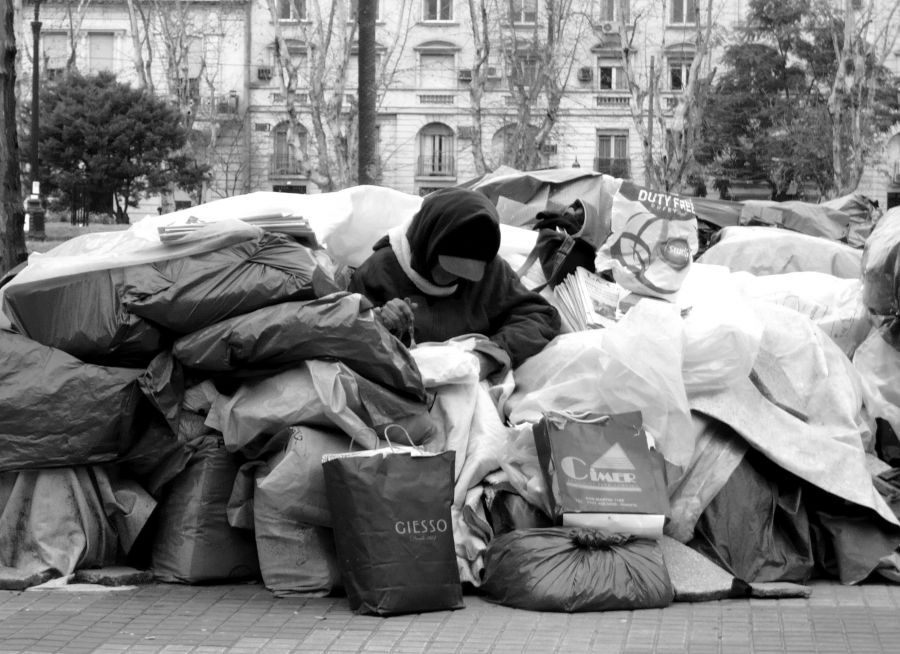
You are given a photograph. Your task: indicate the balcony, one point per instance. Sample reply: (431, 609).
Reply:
(436, 98)
(604, 100)
(613, 167)
(226, 106)
(285, 167)
(436, 165)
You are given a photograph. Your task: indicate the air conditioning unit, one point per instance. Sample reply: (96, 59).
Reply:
(585, 74)
(608, 27)
(493, 72)
(464, 75)
(264, 73)
(262, 127)
(466, 132)
(548, 148)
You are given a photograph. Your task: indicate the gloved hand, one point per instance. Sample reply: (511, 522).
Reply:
(486, 365)
(397, 316)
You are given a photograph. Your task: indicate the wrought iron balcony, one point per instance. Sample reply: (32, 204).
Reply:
(614, 167)
(282, 166)
(436, 165)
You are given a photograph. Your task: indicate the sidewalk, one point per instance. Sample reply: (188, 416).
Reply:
(245, 619)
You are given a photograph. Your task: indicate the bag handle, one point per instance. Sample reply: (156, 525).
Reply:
(584, 417)
(405, 433)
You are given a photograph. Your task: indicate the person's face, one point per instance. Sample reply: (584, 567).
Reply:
(441, 277)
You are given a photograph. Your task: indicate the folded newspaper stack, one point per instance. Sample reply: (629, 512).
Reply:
(587, 301)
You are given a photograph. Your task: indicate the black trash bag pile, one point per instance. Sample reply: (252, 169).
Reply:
(576, 569)
(119, 369)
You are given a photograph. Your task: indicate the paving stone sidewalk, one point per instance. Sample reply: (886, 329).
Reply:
(244, 619)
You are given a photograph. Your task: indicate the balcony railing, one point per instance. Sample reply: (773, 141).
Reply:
(606, 100)
(285, 167)
(436, 165)
(226, 105)
(436, 98)
(613, 167)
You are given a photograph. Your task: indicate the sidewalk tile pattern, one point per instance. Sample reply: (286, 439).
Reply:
(246, 619)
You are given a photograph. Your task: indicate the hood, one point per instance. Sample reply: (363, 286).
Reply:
(456, 222)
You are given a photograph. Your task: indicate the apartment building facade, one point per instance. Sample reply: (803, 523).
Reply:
(270, 95)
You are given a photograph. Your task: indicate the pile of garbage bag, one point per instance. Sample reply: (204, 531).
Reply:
(168, 402)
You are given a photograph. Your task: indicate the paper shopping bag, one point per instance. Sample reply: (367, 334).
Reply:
(393, 533)
(600, 469)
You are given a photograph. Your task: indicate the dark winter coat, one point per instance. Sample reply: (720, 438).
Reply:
(498, 306)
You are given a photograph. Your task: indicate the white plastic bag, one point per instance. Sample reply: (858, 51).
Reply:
(634, 365)
(721, 330)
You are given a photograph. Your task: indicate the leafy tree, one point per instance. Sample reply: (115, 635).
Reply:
(100, 136)
(774, 114)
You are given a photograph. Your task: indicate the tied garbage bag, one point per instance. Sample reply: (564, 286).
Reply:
(57, 411)
(395, 536)
(340, 325)
(296, 476)
(576, 569)
(294, 558)
(194, 542)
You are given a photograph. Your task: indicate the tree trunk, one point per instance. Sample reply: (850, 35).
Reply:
(12, 213)
(367, 158)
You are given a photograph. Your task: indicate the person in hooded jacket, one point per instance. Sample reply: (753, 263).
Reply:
(438, 276)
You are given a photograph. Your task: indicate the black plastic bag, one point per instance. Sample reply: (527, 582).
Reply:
(58, 411)
(576, 569)
(190, 293)
(194, 542)
(273, 338)
(394, 537)
(757, 527)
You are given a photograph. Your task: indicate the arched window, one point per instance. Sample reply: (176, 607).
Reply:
(286, 159)
(436, 151)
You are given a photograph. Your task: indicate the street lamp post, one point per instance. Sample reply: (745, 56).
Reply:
(35, 208)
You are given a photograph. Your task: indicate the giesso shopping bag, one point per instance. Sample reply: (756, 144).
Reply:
(390, 512)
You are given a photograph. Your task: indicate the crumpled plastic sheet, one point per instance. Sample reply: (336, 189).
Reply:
(635, 364)
(64, 519)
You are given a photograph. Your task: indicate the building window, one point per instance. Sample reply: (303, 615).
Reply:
(436, 151)
(437, 10)
(679, 75)
(611, 78)
(101, 51)
(55, 51)
(291, 10)
(610, 10)
(284, 157)
(523, 11)
(188, 90)
(527, 65)
(437, 70)
(612, 154)
(683, 12)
